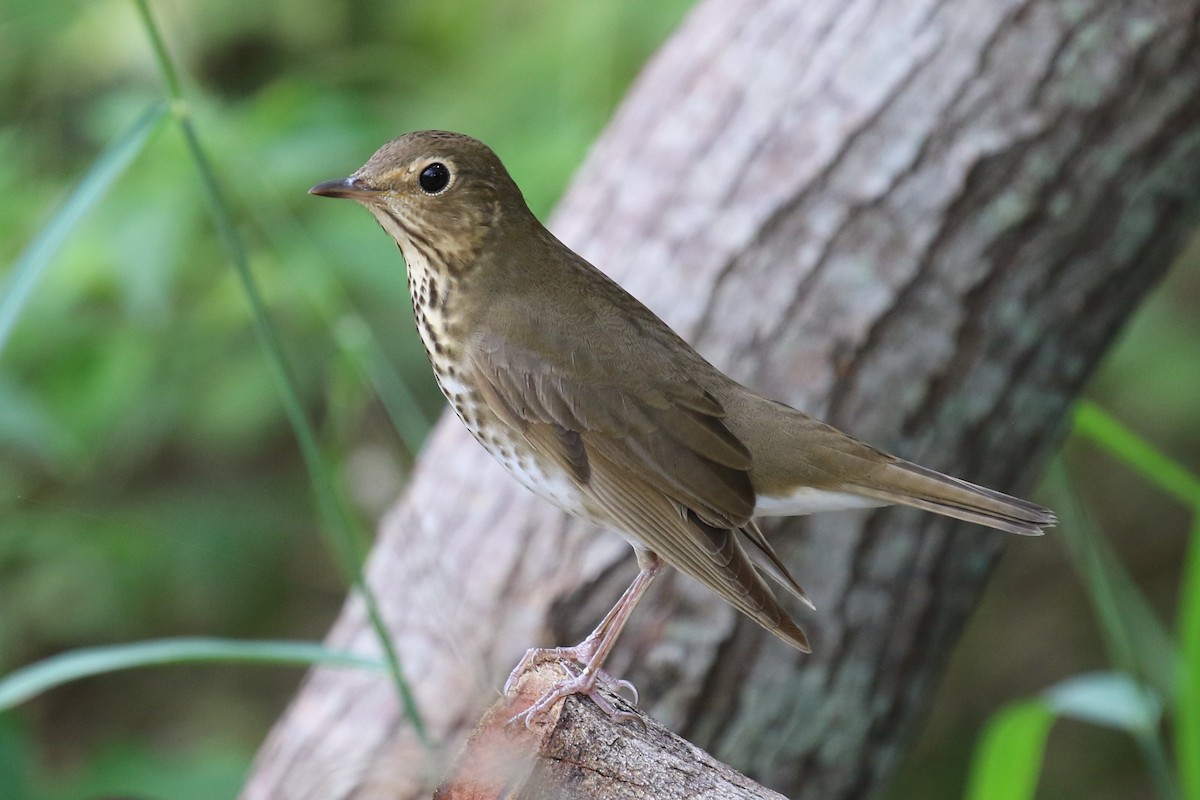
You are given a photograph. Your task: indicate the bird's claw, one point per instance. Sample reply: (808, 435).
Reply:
(617, 684)
(584, 683)
(540, 655)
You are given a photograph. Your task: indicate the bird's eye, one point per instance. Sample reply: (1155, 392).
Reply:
(434, 178)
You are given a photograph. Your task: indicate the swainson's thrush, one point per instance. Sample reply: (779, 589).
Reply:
(591, 401)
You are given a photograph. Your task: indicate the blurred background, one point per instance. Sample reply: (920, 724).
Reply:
(150, 484)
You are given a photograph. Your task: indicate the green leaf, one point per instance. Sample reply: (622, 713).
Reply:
(28, 269)
(1009, 758)
(1111, 699)
(1187, 693)
(28, 682)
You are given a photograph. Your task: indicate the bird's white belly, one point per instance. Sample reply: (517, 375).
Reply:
(544, 480)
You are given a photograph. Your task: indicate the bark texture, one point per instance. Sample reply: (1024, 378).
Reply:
(556, 758)
(922, 221)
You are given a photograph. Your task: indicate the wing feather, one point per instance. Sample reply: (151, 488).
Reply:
(655, 455)
(711, 555)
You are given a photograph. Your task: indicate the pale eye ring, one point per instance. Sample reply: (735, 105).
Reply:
(434, 178)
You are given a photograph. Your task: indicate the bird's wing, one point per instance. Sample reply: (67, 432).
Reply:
(650, 447)
(657, 423)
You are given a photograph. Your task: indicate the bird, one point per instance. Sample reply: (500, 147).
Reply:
(594, 403)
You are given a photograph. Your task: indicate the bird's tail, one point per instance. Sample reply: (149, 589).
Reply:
(905, 483)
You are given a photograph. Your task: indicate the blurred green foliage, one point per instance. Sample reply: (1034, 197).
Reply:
(149, 482)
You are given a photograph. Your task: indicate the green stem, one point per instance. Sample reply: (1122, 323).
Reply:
(28, 682)
(1096, 424)
(1154, 753)
(33, 261)
(1097, 568)
(333, 514)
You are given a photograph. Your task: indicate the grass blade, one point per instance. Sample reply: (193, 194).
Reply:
(1137, 640)
(1116, 700)
(337, 526)
(1184, 682)
(1094, 423)
(398, 400)
(1008, 760)
(28, 682)
(1138, 643)
(1111, 699)
(1187, 705)
(351, 333)
(32, 262)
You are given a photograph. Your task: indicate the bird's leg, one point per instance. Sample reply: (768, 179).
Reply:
(591, 652)
(585, 651)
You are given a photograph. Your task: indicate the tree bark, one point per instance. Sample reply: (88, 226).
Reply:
(557, 757)
(921, 221)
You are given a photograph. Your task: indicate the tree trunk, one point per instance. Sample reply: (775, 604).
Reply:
(921, 221)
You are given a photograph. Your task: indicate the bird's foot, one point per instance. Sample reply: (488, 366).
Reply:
(590, 653)
(540, 655)
(587, 683)
(580, 654)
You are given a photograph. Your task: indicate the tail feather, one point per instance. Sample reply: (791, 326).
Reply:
(905, 483)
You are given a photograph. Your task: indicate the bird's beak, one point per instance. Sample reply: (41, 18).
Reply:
(352, 188)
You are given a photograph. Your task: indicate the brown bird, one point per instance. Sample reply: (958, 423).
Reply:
(594, 403)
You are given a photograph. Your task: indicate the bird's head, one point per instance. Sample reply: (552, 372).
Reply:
(439, 195)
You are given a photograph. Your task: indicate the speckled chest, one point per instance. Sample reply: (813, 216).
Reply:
(444, 332)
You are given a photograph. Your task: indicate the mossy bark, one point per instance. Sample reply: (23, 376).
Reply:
(924, 222)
